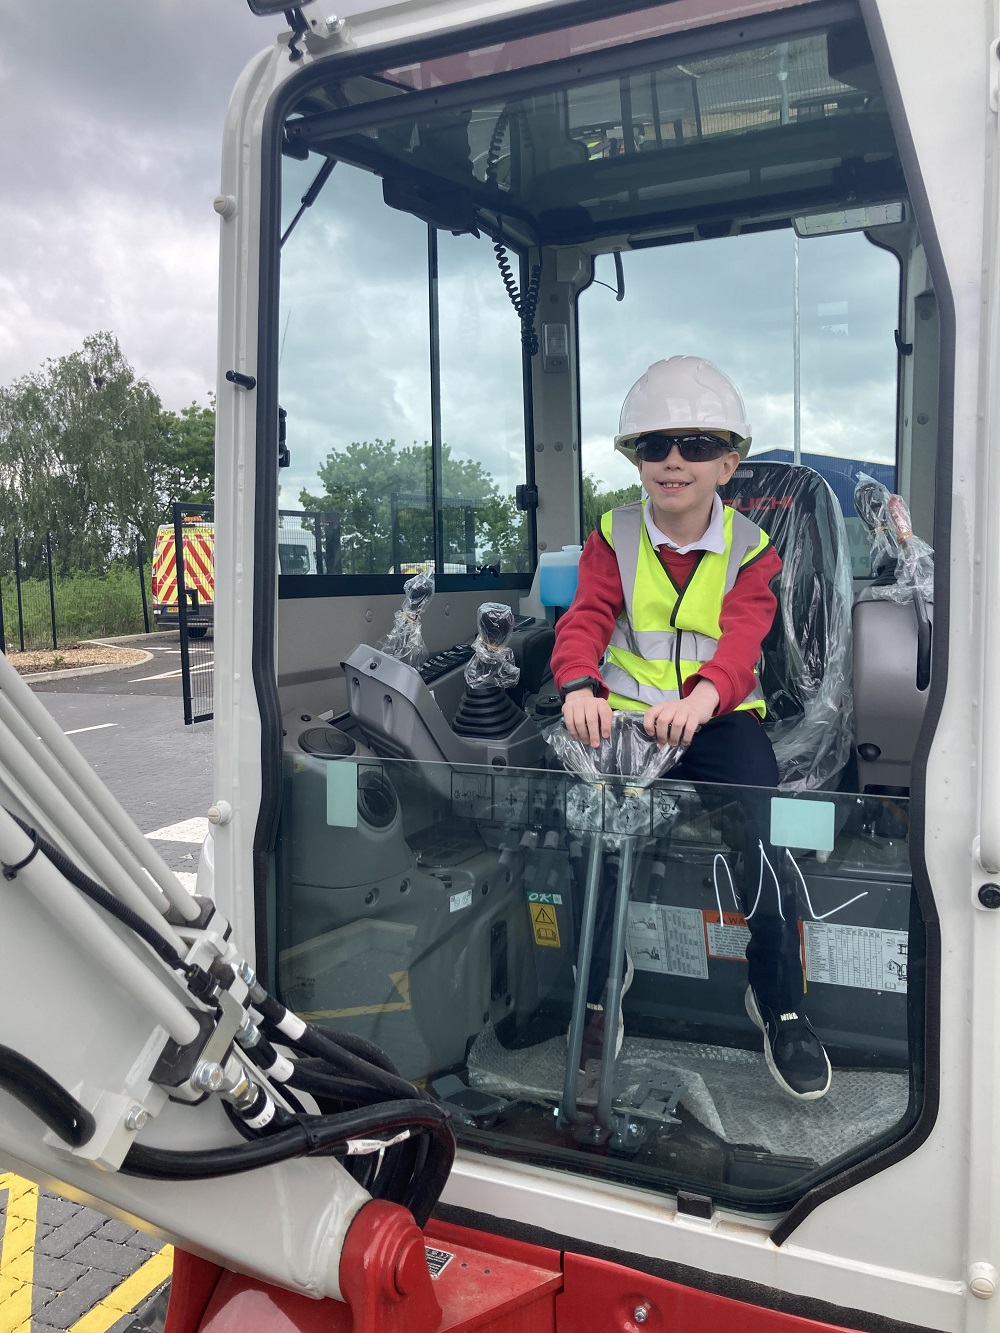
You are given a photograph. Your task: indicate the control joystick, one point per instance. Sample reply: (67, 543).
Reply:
(405, 641)
(486, 710)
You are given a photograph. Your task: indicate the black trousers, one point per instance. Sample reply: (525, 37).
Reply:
(735, 750)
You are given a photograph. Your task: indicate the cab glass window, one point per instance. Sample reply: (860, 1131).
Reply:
(401, 382)
(436, 863)
(804, 327)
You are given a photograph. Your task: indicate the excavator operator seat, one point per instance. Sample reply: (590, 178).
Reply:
(806, 666)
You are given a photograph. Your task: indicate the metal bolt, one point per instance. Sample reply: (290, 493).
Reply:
(136, 1117)
(246, 974)
(640, 1314)
(633, 1128)
(922, 418)
(249, 1033)
(207, 1077)
(989, 895)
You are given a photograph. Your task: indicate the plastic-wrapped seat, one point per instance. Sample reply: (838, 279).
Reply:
(806, 671)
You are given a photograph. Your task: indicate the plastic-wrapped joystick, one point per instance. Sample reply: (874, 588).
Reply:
(405, 641)
(486, 711)
(492, 661)
(902, 564)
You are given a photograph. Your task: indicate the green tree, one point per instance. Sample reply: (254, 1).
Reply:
(78, 456)
(368, 480)
(187, 462)
(596, 503)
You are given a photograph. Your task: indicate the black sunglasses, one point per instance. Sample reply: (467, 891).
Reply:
(693, 448)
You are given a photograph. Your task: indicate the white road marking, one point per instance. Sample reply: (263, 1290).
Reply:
(172, 675)
(101, 726)
(188, 830)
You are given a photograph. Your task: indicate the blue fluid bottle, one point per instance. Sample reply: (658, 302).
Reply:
(557, 575)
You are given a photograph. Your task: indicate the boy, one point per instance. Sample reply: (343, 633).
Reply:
(672, 604)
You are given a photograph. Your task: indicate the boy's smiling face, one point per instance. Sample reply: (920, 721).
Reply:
(681, 492)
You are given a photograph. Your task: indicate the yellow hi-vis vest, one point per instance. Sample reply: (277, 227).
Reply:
(667, 633)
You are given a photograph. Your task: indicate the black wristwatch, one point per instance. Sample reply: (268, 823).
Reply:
(581, 683)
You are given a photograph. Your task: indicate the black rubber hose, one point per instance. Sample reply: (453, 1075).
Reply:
(320, 1083)
(314, 1042)
(365, 1049)
(328, 1048)
(104, 898)
(318, 1136)
(45, 1098)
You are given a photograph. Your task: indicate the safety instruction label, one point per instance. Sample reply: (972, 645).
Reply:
(860, 956)
(667, 940)
(728, 938)
(459, 900)
(472, 795)
(544, 924)
(437, 1260)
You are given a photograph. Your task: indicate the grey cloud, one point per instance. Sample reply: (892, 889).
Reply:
(111, 158)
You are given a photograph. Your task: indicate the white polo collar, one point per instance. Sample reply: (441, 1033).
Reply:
(712, 539)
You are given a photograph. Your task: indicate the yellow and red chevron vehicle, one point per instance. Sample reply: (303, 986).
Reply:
(199, 575)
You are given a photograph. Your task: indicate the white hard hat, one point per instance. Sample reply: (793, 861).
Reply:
(684, 392)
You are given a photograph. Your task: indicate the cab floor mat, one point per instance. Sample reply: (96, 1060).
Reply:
(729, 1090)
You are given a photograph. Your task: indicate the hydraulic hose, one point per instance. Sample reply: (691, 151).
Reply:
(102, 897)
(45, 1098)
(290, 1029)
(326, 1135)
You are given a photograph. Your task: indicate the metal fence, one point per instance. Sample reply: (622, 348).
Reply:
(196, 613)
(42, 607)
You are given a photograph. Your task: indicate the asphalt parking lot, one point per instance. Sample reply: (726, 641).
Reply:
(64, 1266)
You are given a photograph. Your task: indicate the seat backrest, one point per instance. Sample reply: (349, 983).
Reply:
(806, 672)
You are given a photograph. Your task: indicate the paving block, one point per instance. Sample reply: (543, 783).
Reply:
(138, 1240)
(73, 1303)
(56, 1274)
(70, 1233)
(54, 1209)
(117, 1232)
(105, 1255)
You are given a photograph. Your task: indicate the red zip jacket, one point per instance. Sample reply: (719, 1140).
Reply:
(584, 631)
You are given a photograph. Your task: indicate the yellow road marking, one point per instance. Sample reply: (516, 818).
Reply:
(18, 1254)
(126, 1297)
(401, 981)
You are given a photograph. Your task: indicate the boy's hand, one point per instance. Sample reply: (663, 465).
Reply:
(587, 718)
(675, 722)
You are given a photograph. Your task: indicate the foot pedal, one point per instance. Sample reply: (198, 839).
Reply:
(468, 1105)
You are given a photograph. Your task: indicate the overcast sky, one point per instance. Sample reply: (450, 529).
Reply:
(112, 113)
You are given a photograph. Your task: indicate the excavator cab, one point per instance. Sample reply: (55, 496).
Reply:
(475, 254)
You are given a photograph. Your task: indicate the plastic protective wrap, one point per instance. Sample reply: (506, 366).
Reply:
(405, 641)
(902, 564)
(807, 656)
(628, 752)
(492, 661)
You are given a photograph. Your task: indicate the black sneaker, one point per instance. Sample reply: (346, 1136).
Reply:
(794, 1054)
(593, 1032)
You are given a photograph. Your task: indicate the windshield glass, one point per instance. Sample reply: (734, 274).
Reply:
(438, 909)
(805, 327)
(453, 364)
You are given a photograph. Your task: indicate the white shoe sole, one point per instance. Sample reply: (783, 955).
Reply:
(750, 1003)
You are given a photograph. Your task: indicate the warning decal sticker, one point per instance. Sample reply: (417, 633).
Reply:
(544, 924)
(667, 940)
(860, 956)
(728, 939)
(437, 1260)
